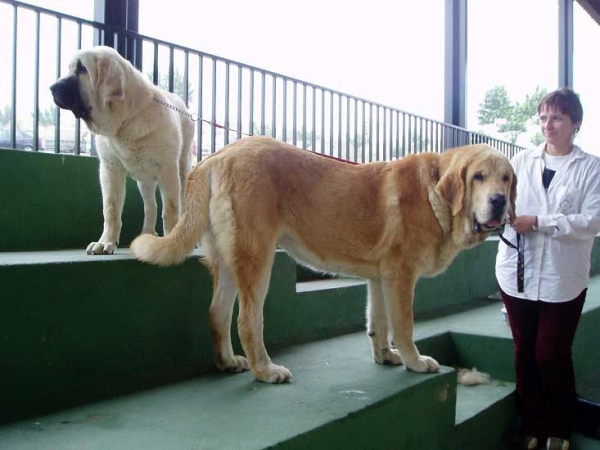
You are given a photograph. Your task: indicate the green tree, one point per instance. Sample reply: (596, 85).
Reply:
(46, 117)
(5, 116)
(511, 119)
(496, 106)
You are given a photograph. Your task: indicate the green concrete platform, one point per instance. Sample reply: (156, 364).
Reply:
(338, 399)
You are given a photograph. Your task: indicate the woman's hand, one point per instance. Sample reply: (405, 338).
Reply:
(524, 224)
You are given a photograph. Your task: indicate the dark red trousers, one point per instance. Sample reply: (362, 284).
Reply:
(543, 335)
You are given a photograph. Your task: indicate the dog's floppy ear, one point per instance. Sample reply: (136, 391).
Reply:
(452, 184)
(109, 84)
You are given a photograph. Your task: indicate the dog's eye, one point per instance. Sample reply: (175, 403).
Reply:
(505, 178)
(478, 177)
(80, 68)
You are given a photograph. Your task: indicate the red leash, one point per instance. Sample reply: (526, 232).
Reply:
(194, 117)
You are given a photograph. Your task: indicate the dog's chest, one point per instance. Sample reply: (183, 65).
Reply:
(142, 163)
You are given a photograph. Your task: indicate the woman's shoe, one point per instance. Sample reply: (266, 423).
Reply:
(557, 444)
(530, 443)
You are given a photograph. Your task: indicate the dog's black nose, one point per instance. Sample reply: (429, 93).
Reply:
(498, 201)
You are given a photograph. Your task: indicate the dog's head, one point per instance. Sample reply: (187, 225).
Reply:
(480, 185)
(94, 89)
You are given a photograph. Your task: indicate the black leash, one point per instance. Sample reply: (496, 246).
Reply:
(520, 248)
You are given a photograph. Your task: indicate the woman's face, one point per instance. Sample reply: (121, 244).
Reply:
(558, 128)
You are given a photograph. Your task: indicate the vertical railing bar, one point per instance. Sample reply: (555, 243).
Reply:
(370, 132)
(294, 112)
(36, 84)
(274, 112)
(391, 136)
(186, 69)
(284, 116)
(331, 129)
(57, 76)
(262, 103)
(78, 121)
(155, 67)
(213, 129)
(239, 103)
(418, 134)
(13, 96)
(363, 143)
(171, 68)
(391, 115)
(139, 44)
(410, 137)
(377, 146)
(404, 139)
(398, 150)
(226, 130)
(200, 125)
(385, 147)
(251, 118)
(390, 133)
(304, 116)
(355, 130)
(322, 120)
(314, 120)
(347, 156)
(340, 121)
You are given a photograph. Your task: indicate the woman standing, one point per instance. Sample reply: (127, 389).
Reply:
(544, 273)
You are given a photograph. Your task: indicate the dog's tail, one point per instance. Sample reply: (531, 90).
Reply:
(179, 243)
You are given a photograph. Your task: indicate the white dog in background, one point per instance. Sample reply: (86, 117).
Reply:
(137, 135)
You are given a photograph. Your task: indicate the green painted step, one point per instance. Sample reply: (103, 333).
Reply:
(339, 398)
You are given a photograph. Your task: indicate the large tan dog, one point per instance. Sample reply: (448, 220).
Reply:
(137, 135)
(388, 222)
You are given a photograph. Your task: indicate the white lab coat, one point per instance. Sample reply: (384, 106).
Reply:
(557, 257)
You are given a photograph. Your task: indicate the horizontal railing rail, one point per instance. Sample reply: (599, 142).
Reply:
(230, 99)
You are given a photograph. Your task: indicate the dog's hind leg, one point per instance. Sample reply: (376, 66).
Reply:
(377, 326)
(148, 192)
(221, 311)
(253, 276)
(170, 192)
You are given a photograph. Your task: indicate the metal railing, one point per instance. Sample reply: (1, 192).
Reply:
(230, 99)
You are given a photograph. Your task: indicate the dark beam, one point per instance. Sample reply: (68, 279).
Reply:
(592, 7)
(565, 43)
(455, 62)
(119, 15)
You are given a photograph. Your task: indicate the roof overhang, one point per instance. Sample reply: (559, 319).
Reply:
(592, 7)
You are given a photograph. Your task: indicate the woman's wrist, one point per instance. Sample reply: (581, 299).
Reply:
(534, 225)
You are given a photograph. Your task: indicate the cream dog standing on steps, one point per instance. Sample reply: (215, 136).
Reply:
(388, 222)
(137, 135)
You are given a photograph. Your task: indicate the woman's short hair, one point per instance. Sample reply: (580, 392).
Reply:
(564, 100)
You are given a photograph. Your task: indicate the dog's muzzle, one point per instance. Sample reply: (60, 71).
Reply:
(65, 93)
(498, 217)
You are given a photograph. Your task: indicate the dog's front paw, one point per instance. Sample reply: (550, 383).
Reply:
(273, 374)
(423, 364)
(101, 248)
(387, 356)
(236, 364)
